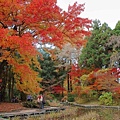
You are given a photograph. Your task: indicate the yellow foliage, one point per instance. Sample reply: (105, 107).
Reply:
(84, 77)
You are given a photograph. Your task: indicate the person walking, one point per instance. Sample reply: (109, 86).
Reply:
(40, 101)
(29, 98)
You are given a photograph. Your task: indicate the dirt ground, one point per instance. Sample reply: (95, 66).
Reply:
(8, 107)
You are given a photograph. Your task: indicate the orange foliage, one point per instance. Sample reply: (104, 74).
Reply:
(58, 89)
(23, 23)
(77, 90)
(103, 80)
(99, 80)
(75, 73)
(117, 89)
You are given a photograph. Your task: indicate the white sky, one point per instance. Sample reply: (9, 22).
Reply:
(105, 10)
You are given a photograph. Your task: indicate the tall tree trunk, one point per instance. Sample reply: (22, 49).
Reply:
(23, 96)
(68, 83)
(12, 86)
(3, 76)
(9, 83)
(4, 83)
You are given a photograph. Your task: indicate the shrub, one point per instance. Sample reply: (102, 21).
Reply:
(90, 96)
(53, 103)
(30, 104)
(106, 98)
(93, 95)
(64, 99)
(71, 98)
(52, 97)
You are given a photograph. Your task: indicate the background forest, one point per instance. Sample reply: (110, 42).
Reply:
(46, 49)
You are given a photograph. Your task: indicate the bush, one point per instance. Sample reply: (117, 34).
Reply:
(90, 96)
(106, 98)
(53, 103)
(71, 98)
(93, 95)
(51, 97)
(30, 104)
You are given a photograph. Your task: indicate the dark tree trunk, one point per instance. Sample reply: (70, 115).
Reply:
(23, 96)
(68, 83)
(12, 86)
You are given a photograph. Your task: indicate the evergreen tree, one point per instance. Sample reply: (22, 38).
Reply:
(50, 74)
(116, 30)
(95, 54)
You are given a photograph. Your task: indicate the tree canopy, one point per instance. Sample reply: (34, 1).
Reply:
(95, 54)
(27, 23)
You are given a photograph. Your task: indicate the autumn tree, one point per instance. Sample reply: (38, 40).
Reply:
(68, 56)
(103, 80)
(114, 44)
(27, 23)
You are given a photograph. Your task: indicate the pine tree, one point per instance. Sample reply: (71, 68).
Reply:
(95, 54)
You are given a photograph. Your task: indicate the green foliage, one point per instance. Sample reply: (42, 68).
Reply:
(49, 72)
(71, 97)
(93, 95)
(90, 96)
(48, 68)
(106, 98)
(52, 96)
(95, 54)
(30, 104)
(116, 31)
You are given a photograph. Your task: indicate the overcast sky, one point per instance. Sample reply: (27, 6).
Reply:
(105, 10)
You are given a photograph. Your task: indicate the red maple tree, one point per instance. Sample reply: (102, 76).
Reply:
(25, 23)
